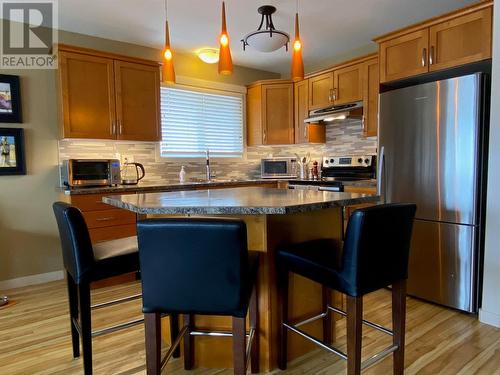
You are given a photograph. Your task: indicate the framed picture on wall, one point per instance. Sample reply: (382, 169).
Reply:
(10, 99)
(12, 160)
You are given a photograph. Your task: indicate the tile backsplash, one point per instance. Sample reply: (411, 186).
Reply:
(341, 139)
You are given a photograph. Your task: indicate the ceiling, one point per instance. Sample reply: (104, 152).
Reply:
(330, 29)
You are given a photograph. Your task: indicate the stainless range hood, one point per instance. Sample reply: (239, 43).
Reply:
(336, 113)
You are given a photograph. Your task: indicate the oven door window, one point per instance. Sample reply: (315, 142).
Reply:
(275, 167)
(90, 170)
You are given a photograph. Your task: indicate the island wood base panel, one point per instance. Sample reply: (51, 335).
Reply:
(265, 234)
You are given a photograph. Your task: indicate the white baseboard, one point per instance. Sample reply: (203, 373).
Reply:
(488, 317)
(31, 280)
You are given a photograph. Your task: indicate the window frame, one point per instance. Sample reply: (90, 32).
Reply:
(209, 88)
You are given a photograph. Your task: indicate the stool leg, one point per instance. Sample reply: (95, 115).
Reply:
(73, 314)
(327, 321)
(254, 323)
(86, 326)
(174, 332)
(398, 325)
(282, 284)
(188, 342)
(239, 347)
(152, 328)
(354, 330)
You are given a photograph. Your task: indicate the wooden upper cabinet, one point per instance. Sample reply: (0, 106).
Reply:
(87, 96)
(277, 109)
(370, 97)
(451, 40)
(348, 86)
(107, 96)
(270, 114)
(137, 101)
(404, 56)
(321, 91)
(305, 133)
(461, 40)
(254, 116)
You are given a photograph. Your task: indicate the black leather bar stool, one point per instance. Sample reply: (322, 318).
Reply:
(374, 256)
(86, 263)
(198, 266)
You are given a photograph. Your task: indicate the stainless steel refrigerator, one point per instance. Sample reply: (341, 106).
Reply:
(432, 137)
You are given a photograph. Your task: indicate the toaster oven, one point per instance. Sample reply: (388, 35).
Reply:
(90, 172)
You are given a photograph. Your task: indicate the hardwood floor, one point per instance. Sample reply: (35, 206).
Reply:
(35, 338)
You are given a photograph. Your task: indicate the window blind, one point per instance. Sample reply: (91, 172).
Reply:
(193, 122)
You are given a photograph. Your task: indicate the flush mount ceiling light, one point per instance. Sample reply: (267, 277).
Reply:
(268, 39)
(208, 55)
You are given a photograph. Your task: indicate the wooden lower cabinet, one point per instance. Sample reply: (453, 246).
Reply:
(104, 222)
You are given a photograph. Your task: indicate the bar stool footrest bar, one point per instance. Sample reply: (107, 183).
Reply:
(379, 356)
(320, 343)
(172, 348)
(367, 322)
(117, 327)
(115, 302)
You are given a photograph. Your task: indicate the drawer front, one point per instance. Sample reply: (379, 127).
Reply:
(108, 218)
(112, 233)
(91, 202)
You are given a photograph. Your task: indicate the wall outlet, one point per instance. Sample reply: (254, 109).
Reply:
(126, 158)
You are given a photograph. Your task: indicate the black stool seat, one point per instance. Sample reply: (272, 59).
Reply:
(85, 263)
(198, 266)
(374, 255)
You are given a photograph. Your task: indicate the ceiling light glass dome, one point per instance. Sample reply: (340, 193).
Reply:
(268, 39)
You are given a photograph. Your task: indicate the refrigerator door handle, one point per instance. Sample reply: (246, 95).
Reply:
(382, 176)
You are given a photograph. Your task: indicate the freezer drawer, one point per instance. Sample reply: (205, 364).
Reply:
(442, 264)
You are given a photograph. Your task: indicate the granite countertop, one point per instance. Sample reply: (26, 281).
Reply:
(163, 186)
(236, 201)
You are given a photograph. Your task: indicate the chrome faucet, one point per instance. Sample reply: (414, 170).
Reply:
(208, 167)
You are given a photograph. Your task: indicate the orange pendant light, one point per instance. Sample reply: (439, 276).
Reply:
(168, 73)
(297, 62)
(225, 60)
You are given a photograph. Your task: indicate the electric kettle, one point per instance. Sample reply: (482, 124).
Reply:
(130, 173)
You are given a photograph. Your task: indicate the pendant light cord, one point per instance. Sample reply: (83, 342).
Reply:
(166, 10)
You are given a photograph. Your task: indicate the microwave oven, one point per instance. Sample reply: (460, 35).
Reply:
(90, 172)
(285, 167)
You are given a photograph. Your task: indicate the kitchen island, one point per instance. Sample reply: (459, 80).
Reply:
(273, 217)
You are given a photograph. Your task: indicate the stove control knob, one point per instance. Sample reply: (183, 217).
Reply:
(367, 161)
(332, 161)
(326, 161)
(360, 160)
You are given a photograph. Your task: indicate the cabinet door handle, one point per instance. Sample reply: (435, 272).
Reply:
(105, 218)
(330, 95)
(363, 122)
(424, 56)
(120, 127)
(305, 131)
(264, 135)
(113, 127)
(334, 94)
(431, 55)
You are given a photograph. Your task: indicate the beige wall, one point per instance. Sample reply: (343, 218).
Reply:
(28, 236)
